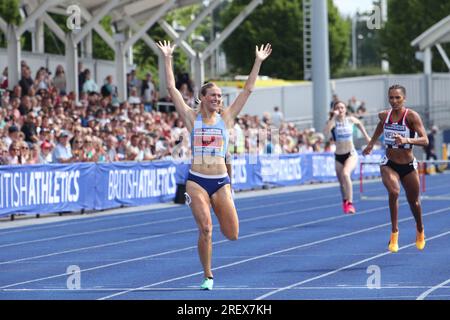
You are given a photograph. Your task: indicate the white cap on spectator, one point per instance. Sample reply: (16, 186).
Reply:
(63, 133)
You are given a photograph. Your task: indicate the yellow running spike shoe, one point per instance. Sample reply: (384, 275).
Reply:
(393, 242)
(420, 240)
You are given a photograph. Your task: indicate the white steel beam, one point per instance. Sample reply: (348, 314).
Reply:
(230, 28)
(198, 20)
(121, 71)
(443, 55)
(39, 36)
(54, 27)
(99, 29)
(152, 45)
(151, 21)
(94, 22)
(71, 64)
(13, 56)
(3, 25)
(174, 35)
(37, 13)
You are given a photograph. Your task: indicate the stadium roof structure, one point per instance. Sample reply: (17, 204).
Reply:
(434, 36)
(131, 20)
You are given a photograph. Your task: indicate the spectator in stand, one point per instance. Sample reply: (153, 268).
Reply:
(111, 149)
(17, 92)
(14, 153)
(361, 111)
(25, 105)
(334, 100)
(4, 79)
(109, 90)
(13, 136)
(100, 151)
(62, 152)
(42, 80)
(89, 84)
(81, 77)
(149, 93)
(277, 117)
(29, 128)
(134, 99)
(188, 94)
(26, 82)
(26, 155)
(45, 154)
(353, 105)
(59, 80)
(89, 151)
(4, 153)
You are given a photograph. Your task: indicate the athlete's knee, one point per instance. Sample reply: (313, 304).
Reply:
(232, 235)
(414, 203)
(346, 173)
(394, 193)
(205, 231)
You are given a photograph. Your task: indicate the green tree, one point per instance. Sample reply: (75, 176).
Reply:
(407, 19)
(9, 11)
(280, 22)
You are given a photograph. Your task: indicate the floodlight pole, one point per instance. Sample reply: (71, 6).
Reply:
(320, 64)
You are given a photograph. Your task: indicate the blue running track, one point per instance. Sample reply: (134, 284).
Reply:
(292, 246)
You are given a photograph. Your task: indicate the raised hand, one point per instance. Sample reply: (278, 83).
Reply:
(166, 48)
(264, 52)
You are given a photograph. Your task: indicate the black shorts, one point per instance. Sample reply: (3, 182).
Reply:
(341, 158)
(401, 169)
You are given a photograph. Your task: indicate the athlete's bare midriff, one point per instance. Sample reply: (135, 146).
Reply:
(344, 147)
(400, 156)
(209, 165)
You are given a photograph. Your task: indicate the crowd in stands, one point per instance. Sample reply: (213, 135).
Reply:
(41, 122)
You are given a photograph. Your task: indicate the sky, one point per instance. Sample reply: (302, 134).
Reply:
(349, 7)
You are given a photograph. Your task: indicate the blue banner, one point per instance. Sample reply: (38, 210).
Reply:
(134, 183)
(73, 187)
(245, 173)
(282, 170)
(46, 188)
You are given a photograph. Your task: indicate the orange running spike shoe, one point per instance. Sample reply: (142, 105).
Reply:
(393, 243)
(420, 240)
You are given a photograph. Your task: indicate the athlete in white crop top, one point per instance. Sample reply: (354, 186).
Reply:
(402, 128)
(208, 182)
(341, 128)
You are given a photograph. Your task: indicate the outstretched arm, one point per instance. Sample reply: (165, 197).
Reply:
(186, 113)
(261, 54)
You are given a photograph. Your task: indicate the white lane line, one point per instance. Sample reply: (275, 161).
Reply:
(271, 293)
(223, 288)
(428, 292)
(270, 216)
(273, 253)
(193, 247)
(138, 225)
(138, 211)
